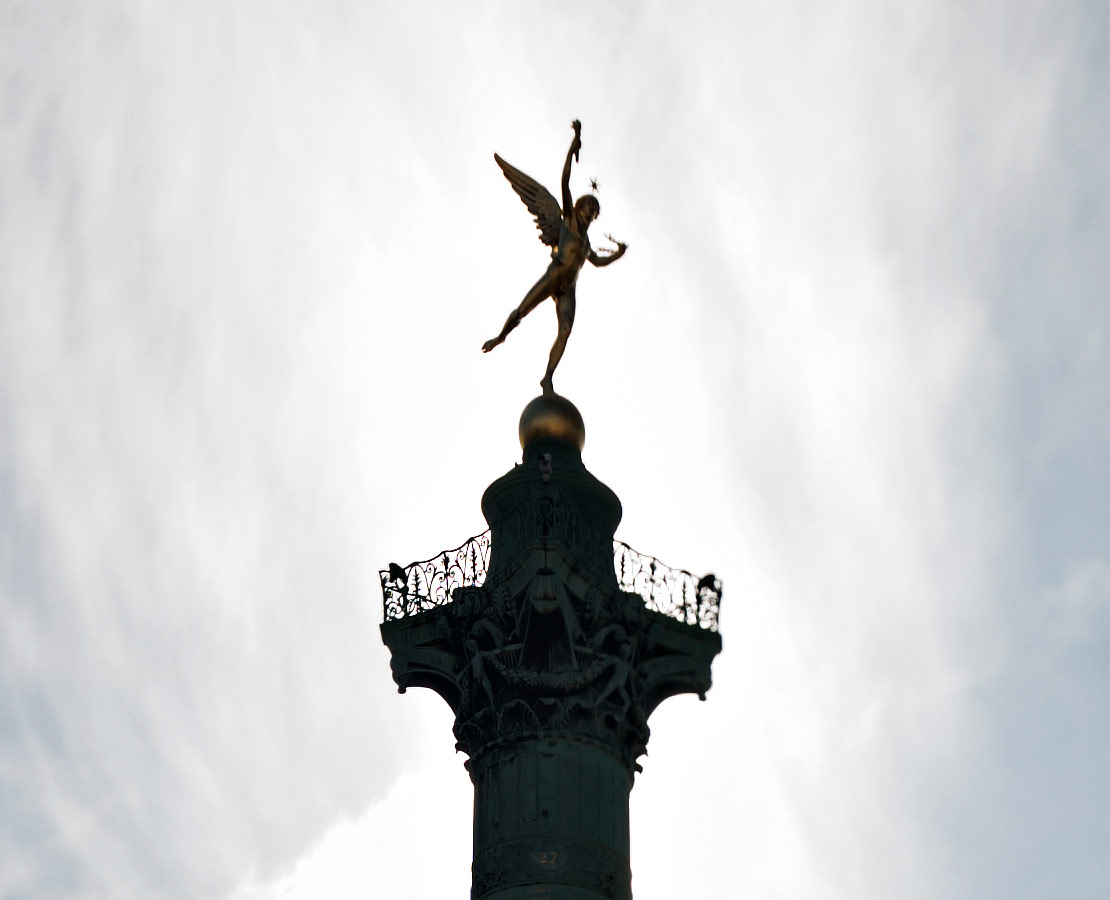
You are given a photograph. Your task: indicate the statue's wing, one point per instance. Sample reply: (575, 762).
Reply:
(538, 199)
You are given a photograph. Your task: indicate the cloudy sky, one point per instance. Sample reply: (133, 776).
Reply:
(856, 362)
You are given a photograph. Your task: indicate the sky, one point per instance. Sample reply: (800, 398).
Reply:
(855, 362)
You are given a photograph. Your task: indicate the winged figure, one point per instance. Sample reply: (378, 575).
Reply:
(565, 230)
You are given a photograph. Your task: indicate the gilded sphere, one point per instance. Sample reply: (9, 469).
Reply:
(552, 416)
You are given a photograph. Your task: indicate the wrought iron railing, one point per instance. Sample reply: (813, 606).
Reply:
(424, 585)
(673, 592)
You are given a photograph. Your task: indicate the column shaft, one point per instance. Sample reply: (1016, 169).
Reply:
(551, 820)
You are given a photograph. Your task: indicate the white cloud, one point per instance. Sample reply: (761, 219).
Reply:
(405, 847)
(852, 362)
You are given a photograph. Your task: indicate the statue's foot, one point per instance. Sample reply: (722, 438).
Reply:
(491, 343)
(546, 385)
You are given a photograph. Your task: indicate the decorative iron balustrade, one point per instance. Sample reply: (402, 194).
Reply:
(425, 585)
(673, 592)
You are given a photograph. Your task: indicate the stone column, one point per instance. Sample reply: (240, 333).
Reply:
(552, 672)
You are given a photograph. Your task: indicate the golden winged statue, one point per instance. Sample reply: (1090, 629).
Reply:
(564, 229)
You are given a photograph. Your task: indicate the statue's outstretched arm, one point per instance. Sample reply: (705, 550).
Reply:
(575, 146)
(609, 258)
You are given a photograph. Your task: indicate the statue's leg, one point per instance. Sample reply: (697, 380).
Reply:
(564, 306)
(539, 292)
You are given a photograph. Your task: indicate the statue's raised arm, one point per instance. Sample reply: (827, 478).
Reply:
(575, 147)
(565, 230)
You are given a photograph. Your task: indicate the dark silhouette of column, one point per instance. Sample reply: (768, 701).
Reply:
(552, 646)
